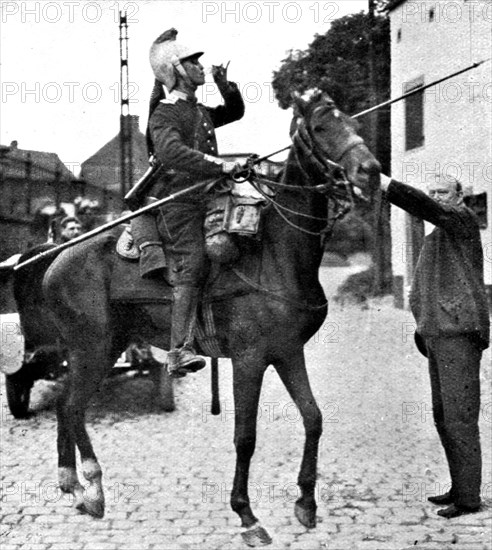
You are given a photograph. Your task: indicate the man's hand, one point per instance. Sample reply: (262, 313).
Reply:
(219, 73)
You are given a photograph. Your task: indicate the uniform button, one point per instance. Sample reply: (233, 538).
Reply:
(210, 132)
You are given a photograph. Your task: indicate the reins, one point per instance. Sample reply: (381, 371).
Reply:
(336, 187)
(279, 207)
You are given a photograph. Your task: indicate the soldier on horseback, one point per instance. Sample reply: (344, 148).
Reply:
(181, 136)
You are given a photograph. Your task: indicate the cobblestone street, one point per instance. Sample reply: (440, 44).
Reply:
(168, 476)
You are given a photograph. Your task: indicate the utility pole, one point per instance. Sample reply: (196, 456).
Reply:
(381, 223)
(126, 159)
(373, 91)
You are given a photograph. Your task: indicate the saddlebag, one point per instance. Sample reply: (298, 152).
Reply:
(234, 210)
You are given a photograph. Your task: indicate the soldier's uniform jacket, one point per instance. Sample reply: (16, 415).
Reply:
(183, 137)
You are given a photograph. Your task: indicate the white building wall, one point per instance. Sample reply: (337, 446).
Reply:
(457, 112)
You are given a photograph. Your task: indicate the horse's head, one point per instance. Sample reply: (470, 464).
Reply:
(328, 136)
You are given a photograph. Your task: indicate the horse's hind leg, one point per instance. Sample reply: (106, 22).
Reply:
(88, 367)
(67, 472)
(292, 371)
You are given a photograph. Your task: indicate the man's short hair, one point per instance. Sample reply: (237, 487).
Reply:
(67, 219)
(450, 179)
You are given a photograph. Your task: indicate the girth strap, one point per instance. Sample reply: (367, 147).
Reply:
(280, 297)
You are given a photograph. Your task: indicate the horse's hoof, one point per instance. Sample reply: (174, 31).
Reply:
(94, 509)
(87, 504)
(307, 516)
(256, 536)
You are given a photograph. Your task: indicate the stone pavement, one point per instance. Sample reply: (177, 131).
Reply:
(168, 477)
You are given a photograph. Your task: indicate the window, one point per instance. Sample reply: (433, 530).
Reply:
(414, 115)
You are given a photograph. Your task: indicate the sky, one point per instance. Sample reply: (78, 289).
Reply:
(60, 68)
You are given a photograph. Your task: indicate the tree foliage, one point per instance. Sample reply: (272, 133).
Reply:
(339, 62)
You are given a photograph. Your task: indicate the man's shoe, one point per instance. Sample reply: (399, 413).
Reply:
(455, 511)
(446, 498)
(181, 362)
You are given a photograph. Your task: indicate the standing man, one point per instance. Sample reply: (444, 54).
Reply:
(181, 135)
(449, 303)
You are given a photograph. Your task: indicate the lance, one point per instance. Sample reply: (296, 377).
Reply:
(419, 89)
(390, 101)
(114, 223)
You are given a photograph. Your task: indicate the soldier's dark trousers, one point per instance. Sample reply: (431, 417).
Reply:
(454, 367)
(181, 226)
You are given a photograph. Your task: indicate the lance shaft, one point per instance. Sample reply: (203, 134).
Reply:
(390, 101)
(114, 223)
(419, 89)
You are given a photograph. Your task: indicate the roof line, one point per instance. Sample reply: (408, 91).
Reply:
(394, 4)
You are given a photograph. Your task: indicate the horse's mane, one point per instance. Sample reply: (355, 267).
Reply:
(310, 98)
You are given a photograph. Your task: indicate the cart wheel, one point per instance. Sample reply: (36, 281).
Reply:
(18, 393)
(163, 391)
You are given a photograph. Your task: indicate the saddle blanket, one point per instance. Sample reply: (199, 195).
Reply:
(127, 286)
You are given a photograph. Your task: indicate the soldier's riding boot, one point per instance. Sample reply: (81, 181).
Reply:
(148, 241)
(182, 358)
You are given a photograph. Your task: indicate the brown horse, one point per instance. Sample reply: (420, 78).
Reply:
(271, 304)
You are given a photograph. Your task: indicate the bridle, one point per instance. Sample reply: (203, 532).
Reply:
(315, 167)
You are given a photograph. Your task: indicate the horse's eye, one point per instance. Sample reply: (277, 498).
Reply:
(318, 129)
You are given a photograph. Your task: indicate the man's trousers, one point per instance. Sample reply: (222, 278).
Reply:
(180, 225)
(454, 367)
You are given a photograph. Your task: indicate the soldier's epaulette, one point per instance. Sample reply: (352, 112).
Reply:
(171, 100)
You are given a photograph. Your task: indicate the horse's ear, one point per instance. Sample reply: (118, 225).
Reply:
(299, 104)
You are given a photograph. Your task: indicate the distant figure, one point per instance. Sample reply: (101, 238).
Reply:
(70, 227)
(449, 303)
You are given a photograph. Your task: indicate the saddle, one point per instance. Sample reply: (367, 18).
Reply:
(234, 209)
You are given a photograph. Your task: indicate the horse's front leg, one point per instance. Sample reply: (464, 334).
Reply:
(248, 377)
(292, 371)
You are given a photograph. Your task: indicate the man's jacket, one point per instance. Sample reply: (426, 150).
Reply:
(183, 137)
(448, 294)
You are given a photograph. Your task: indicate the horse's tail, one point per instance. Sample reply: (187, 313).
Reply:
(215, 408)
(28, 295)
